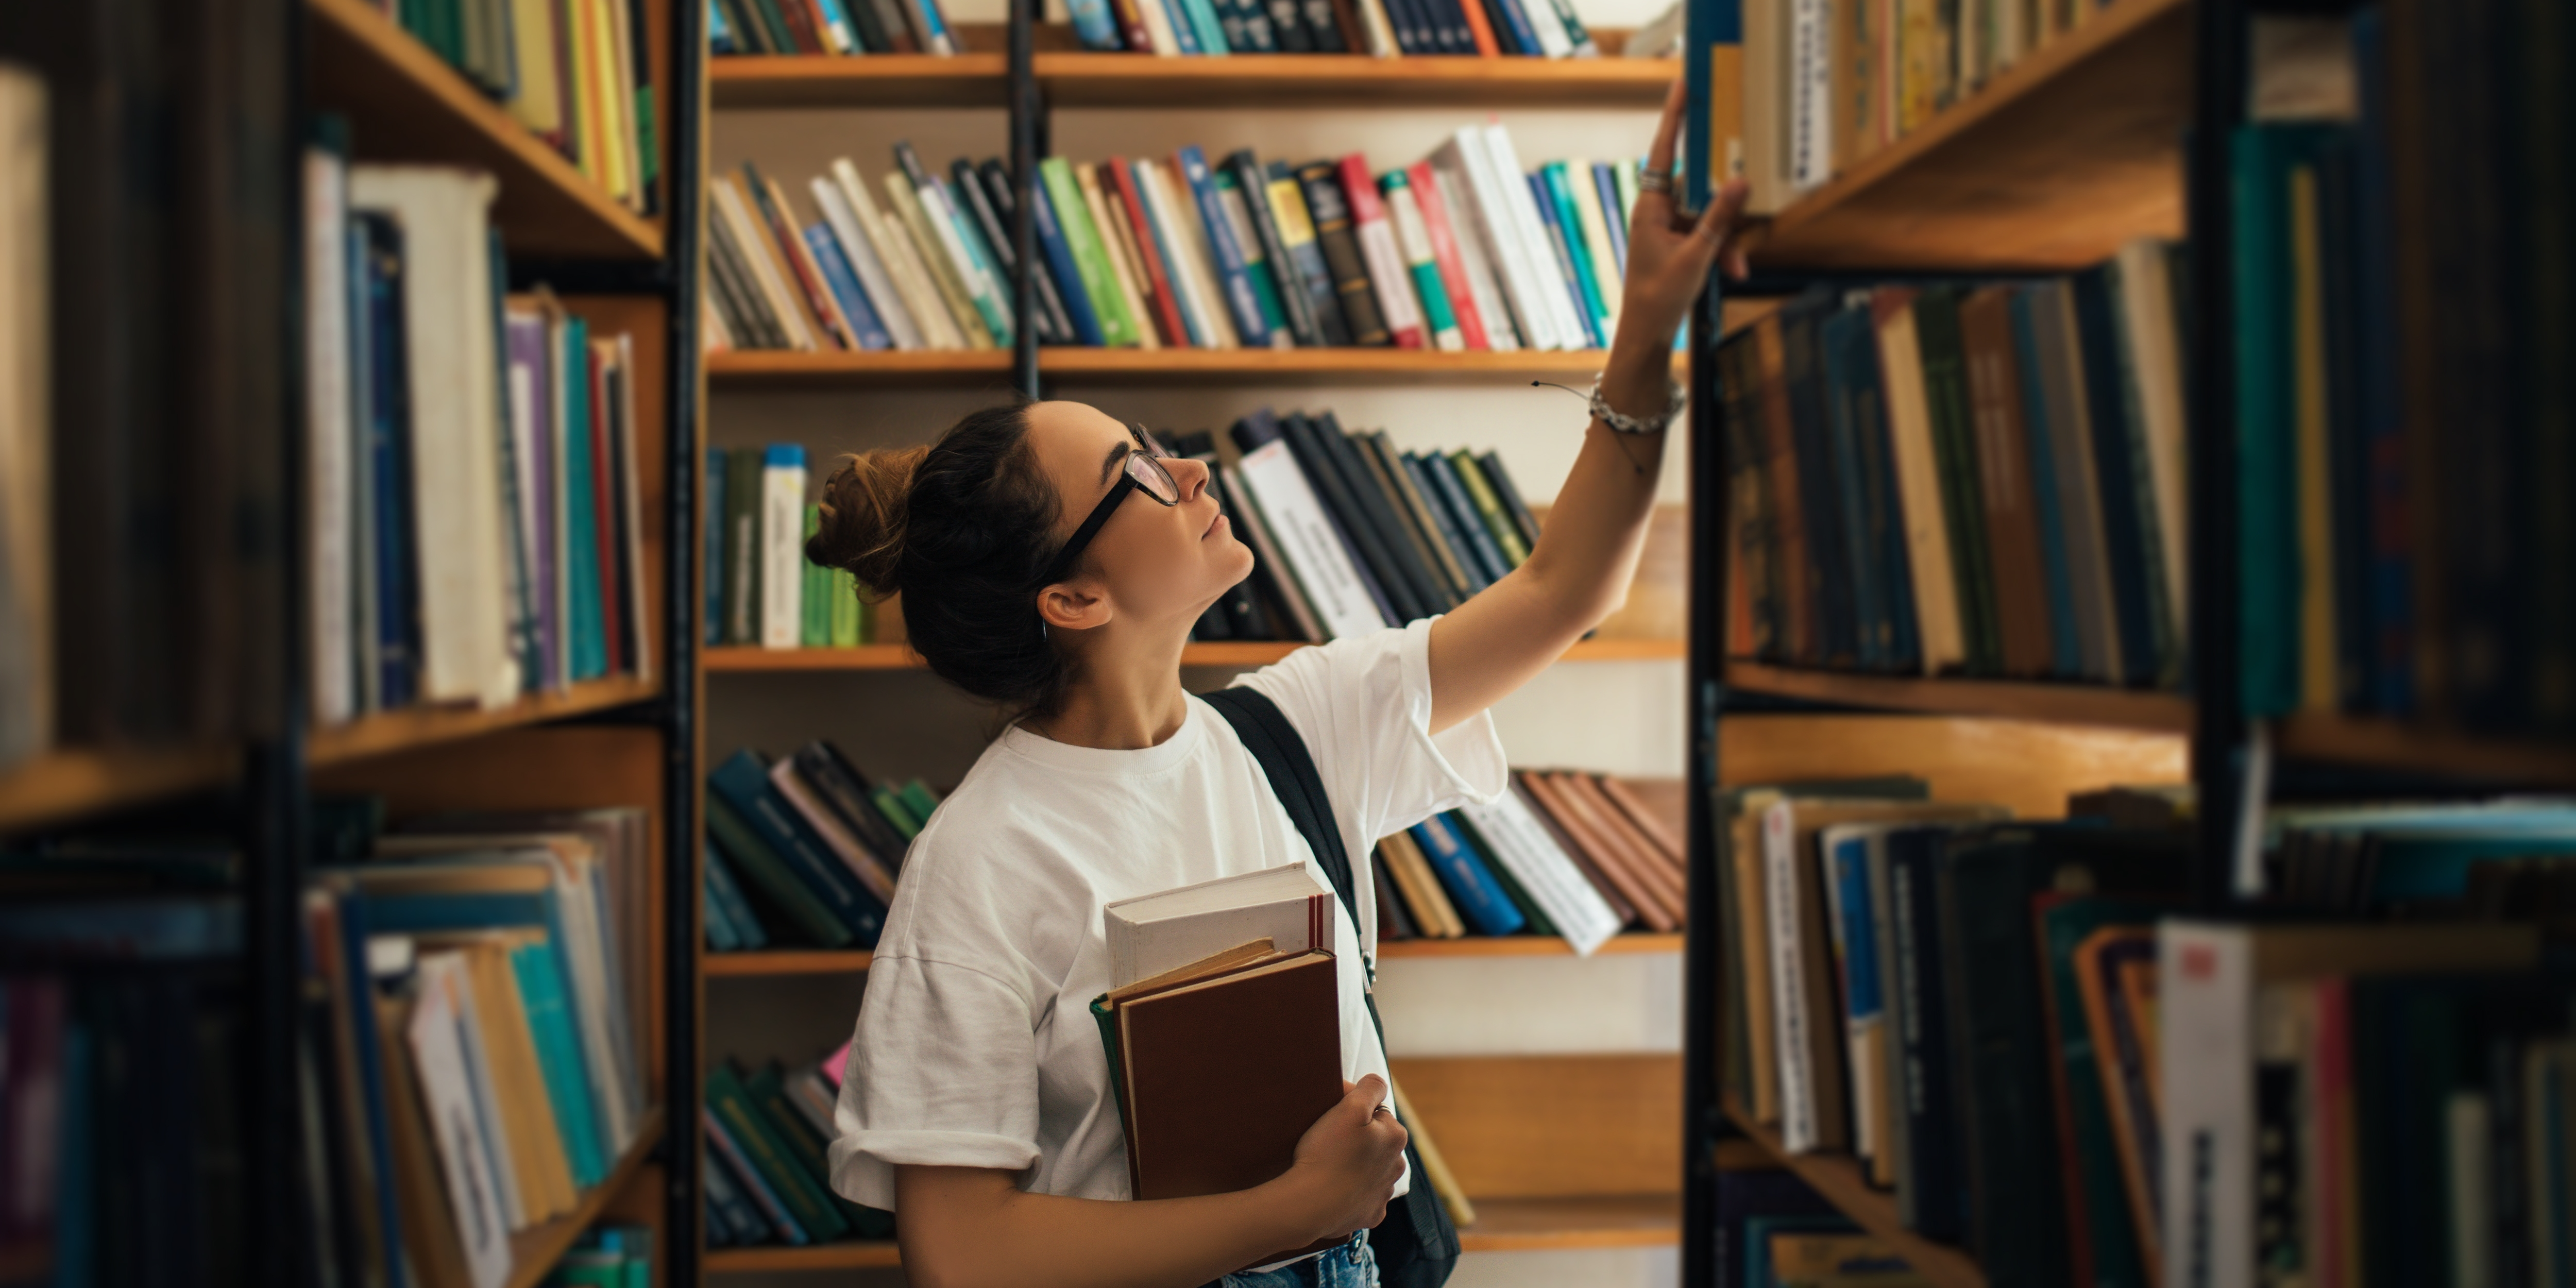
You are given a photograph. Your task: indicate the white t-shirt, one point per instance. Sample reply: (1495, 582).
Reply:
(975, 1044)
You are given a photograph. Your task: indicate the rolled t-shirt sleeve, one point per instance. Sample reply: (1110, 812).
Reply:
(1363, 705)
(943, 1073)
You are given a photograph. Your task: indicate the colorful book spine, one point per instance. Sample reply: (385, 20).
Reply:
(1090, 258)
(1470, 886)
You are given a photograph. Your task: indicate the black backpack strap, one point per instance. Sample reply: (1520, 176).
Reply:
(1266, 733)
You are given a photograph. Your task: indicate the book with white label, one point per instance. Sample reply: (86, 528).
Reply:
(1154, 933)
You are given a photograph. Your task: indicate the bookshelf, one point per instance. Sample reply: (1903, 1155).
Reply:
(2082, 704)
(69, 783)
(1215, 653)
(1139, 367)
(766, 963)
(1840, 1180)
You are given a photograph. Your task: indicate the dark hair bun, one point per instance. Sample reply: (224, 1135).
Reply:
(866, 505)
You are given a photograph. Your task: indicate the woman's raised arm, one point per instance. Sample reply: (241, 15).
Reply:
(1579, 572)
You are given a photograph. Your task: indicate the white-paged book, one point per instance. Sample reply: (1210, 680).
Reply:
(1486, 207)
(1550, 283)
(1545, 872)
(1153, 933)
(1307, 542)
(862, 254)
(447, 1096)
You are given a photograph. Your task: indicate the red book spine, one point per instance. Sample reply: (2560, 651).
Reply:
(800, 25)
(1369, 220)
(1158, 283)
(603, 487)
(1444, 252)
(1131, 25)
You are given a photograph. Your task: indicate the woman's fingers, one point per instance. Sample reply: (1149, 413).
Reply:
(1659, 158)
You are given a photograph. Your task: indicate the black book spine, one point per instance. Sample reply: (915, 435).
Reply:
(1500, 479)
(846, 795)
(1327, 33)
(1430, 511)
(1428, 587)
(1288, 28)
(1314, 273)
(1820, 491)
(1316, 460)
(871, 25)
(1427, 545)
(1321, 181)
(991, 203)
(1244, 602)
(1255, 185)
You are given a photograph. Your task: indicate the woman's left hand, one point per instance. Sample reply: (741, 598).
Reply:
(1669, 253)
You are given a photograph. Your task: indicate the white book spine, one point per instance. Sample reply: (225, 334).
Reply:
(1488, 210)
(870, 270)
(1341, 604)
(528, 427)
(981, 290)
(1552, 40)
(1553, 287)
(594, 1000)
(329, 433)
(1476, 256)
(760, 254)
(1544, 872)
(2205, 980)
(782, 530)
(1389, 278)
(455, 442)
(1142, 950)
(1811, 92)
(446, 1092)
(1190, 255)
(1788, 989)
(920, 298)
(1606, 272)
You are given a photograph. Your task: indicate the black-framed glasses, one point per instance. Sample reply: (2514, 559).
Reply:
(1141, 472)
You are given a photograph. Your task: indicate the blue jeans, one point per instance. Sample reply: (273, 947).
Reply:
(1351, 1265)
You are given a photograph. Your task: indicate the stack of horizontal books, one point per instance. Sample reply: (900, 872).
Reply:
(1466, 249)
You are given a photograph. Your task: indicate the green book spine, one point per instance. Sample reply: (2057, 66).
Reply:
(814, 626)
(1106, 1017)
(895, 811)
(742, 546)
(811, 1205)
(847, 614)
(2267, 489)
(762, 867)
(1256, 262)
(1090, 260)
(918, 800)
(767, 1092)
(1538, 922)
(1489, 507)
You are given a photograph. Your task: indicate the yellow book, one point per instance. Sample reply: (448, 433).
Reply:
(606, 75)
(2318, 687)
(539, 102)
(581, 133)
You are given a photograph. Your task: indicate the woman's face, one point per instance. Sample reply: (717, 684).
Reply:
(1148, 562)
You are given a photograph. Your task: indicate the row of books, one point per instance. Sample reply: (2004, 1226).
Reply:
(768, 1170)
(1350, 534)
(805, 849)
(1774, 1231)
(760, 587)
(831, 27)
(1961, 477)
(2402, 407)
(1823, 87)
(1509, 868)
(577, 73)
(144, 323)
(479, 999)
(1463, 250)
(476, 520)
(606, 1256)
(1384, 28)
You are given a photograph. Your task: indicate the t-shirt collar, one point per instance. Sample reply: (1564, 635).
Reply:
(1163, 755)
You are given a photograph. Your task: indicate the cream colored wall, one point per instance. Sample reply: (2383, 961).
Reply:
(1623, 717)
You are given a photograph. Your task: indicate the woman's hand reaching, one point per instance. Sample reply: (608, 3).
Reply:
(1669, 254)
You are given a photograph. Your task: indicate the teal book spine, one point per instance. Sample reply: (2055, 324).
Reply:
(581, 510)
(550, 1022)
(811, 1205)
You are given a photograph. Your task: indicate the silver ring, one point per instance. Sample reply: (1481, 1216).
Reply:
(1655, 181)
(1381, 1109)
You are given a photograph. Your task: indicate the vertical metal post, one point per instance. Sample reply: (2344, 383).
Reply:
(2219, 749)
(1026, 108)
(1703, 982)
(683, 171)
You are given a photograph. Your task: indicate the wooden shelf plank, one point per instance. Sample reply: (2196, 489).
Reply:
(1523, 946)
(407, 104)
(1082, 78)
(534, 1251)
(2394, 744)
(977, 78)
(68, 783)
(2050, 166)
(1839, 1179)
(883, 368)
(2084, 704)
(855, 1254)
(1545, 1224)
(765, 962)
(1223, 653)
(411, 727)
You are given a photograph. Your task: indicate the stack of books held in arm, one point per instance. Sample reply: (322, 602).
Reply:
(474, 489)
(830, 27)
(805, 849)
(1465, 249)
(1965, 478)
(1384, 28)
(481, 993)
(768, 1160)
(1350, 534)
(1563, 853)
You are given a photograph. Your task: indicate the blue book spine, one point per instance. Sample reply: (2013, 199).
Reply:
(732, 1212)
(355, 925)
(1463, 512)
(728, 888)
(1184, 32)
(388, 384)
(1463, 875)
(1211, 32)
(1708, 26)
(75, 1211)
(1468, 561)
(1516, 19)
(1614, 217)
(720, 933)
(844, 286)
(581, 511)
(1240, 301)
(550, 1023)
(715, 565)
(1563, 246)
(1861, 1000)
(2066, 659)
(745, 785)
(719, 33)
(837, 18)
(721, 1144)
(1093, 25)
(1059, 258)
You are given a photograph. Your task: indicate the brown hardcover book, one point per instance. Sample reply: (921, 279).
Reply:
(1641, 895)
(1666, 879)
(1789, 533)
(1274, 1030)
(1322, 183)
(2003, 459)
(1617, 820)
(1657, 806)
(1601, 884)
(1432, 910)
(1753, 932)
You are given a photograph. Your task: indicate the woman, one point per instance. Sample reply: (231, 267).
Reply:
(975, 1104)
